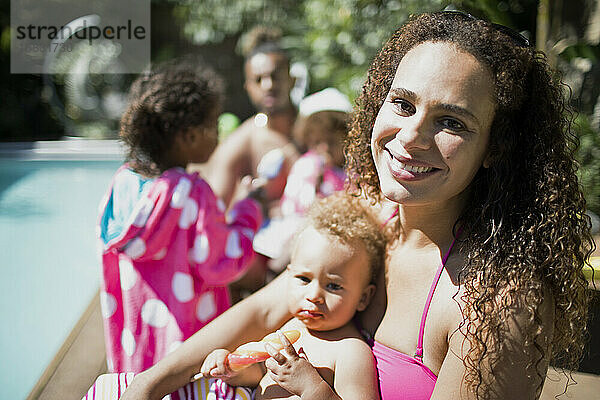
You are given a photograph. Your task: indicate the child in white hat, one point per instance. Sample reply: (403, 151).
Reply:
(319, 132)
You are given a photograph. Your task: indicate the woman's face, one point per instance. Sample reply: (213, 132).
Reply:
(431, 134)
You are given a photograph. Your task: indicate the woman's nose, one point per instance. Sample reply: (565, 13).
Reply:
(415, 133)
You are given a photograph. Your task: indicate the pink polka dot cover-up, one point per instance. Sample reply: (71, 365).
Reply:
(165, 273)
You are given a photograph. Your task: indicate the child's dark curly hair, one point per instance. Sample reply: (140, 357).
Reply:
(171, 99)
(524, 232)
(344, 217)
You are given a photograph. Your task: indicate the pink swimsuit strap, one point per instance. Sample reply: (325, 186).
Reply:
(419, 350)
(390, 217)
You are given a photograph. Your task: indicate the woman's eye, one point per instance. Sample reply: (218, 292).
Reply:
(404, 106)
(303, 279)
(334, 286)
(452, 124)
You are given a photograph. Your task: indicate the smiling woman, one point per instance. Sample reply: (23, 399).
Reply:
(521, 199)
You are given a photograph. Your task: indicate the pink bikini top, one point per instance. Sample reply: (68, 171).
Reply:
(402, 376)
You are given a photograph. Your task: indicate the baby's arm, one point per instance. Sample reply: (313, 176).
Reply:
(355, 371)
(355, 376)
(215, 365)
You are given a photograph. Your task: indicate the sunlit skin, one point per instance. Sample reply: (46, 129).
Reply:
(268, 82)
(437, 115)
(328, 280)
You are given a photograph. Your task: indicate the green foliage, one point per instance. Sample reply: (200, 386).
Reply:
(588, 156)
(336, 39)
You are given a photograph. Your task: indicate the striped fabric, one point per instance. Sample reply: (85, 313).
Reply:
(112, 386)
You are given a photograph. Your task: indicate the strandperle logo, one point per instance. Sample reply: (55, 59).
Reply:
(66, 36)
(82, 32)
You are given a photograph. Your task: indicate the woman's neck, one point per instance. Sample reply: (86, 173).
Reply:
(426, 224)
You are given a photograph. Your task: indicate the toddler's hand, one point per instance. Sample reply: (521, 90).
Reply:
(291, 371)
(215, 365)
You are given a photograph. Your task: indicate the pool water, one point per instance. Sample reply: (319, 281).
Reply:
(49, 263)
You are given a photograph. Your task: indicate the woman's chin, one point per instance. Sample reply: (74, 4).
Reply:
(395, 192)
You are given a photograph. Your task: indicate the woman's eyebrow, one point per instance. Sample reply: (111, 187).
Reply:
(403, 92)
(453, 108)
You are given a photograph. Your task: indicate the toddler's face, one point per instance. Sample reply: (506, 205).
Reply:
(328, 280)
(330, 145)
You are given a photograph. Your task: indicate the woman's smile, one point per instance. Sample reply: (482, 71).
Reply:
(404, 169)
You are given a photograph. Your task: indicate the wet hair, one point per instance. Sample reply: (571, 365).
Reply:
(344, 217)
(320, 123)
(164, 102)
(524, 232)
(262, 40)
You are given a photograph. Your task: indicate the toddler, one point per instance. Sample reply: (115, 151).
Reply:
(330, 277)
(319, 132)
(336, 258)
(168, 251)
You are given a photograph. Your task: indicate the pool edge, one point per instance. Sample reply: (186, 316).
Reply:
(58, 375)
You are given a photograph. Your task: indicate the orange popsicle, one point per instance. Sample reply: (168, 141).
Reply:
(254, 352)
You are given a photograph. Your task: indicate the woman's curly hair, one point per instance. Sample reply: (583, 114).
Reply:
(167, 101)
(524, 232)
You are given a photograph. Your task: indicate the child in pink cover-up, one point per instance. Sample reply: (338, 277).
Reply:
(168, 251)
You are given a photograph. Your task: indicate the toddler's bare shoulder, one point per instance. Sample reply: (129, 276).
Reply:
(349, 339)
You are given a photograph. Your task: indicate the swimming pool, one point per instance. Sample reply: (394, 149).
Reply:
(49, 196)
